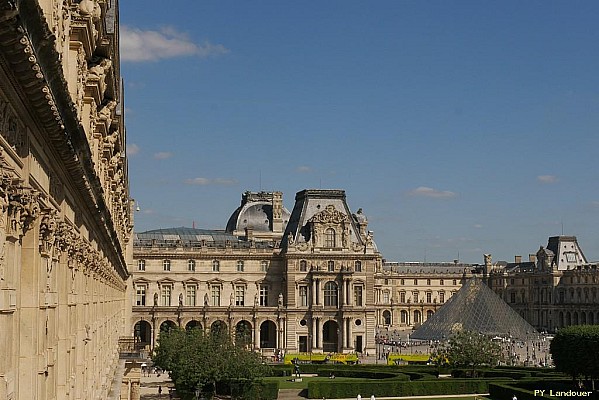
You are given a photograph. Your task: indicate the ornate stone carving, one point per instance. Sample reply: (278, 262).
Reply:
(23, 209)
(48, 227)
(329, 215)
(12, 129)
(96, 73)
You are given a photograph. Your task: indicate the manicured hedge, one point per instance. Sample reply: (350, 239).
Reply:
(362, 373)
(508, 390)
(489, 373)
(317, 390)
(258, 390)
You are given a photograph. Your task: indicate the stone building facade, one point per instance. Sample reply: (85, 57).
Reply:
(409, 293)
(555, 288)
(278, 280)
(65, 219)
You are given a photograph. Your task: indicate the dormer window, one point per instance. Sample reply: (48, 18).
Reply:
(329, 238)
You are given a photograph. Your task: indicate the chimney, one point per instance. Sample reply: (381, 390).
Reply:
(277, 212)
(532, 258)
(517, 259)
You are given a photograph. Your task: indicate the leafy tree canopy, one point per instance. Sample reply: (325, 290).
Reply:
(467, 349)
(198, 360)
(574, 350)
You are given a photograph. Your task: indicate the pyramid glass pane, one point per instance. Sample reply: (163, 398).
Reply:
(475, 308)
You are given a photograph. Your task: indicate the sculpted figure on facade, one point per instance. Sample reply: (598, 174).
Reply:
(97, 74)
(106, 112)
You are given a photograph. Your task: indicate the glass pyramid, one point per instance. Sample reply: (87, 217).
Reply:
(475, 307)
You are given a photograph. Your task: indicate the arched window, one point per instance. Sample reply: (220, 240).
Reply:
(303, 265)
(330, 294)
(329, 238)
(191, 265)
(404, 316)
(387, 317)
(417, 317)
(429, 314)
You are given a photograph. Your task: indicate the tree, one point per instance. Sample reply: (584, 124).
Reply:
(468, 350)
(198, 360)
(572, 350)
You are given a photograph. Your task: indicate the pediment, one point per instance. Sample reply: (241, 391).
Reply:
(330, 215)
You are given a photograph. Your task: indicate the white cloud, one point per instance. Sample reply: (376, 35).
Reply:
(478, 226)
(547, 178)
(163, 155)
(207, 181)
(139, 45)
(303, 168)
(424, 191)
(132, 149)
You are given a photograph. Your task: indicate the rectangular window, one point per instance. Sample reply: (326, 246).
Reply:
(166, 265)
(303, 296)
(140, 295)
(402, 297)
(386, 297)
(358, 266)
(441, 282)
(303, 265)
(358, 296)
(190, 293)
(331, 266)
(239, 295)
(441, 297)
(264, 295)
(191, 265)
(512, 297)
(240, 266)
(416, 282)
(264, 266)
(429, 297)
(141, 265)
(215, 291)
(215, 266)
(415, 297)
(166, 295)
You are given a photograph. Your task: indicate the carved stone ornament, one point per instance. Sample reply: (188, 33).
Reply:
(23, 209)
(47, 231)
(12, 129)
(329, 216)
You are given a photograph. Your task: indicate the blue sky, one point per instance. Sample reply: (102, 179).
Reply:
(460, 128)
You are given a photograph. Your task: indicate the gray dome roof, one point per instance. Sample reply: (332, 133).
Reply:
(254, 215)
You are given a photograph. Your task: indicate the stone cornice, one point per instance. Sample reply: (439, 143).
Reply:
(28, 45)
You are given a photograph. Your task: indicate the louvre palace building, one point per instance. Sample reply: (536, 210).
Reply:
(65, 222)
(556, 287)
(309, 280)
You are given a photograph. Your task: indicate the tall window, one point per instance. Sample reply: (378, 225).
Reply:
(264, 295)
(240, 266)
(141, 265)
(386, 297)
(166, 265)
(215, 291)
(264, 266)
(428, 282)
(140, 295)
(455, 282)
(215, 266)
(329, 238)
(415, 297)
(358, 266)
(303, 296)
(441, 297)
(190, 293)
(415, 281)
(303, 265)
(441, 282)
(512, 297)
(239, 295)
(331, 266)
(358, 295)
(402, 297)
(330, 294)
(191, 265)
(166, 295)
(429, 297)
